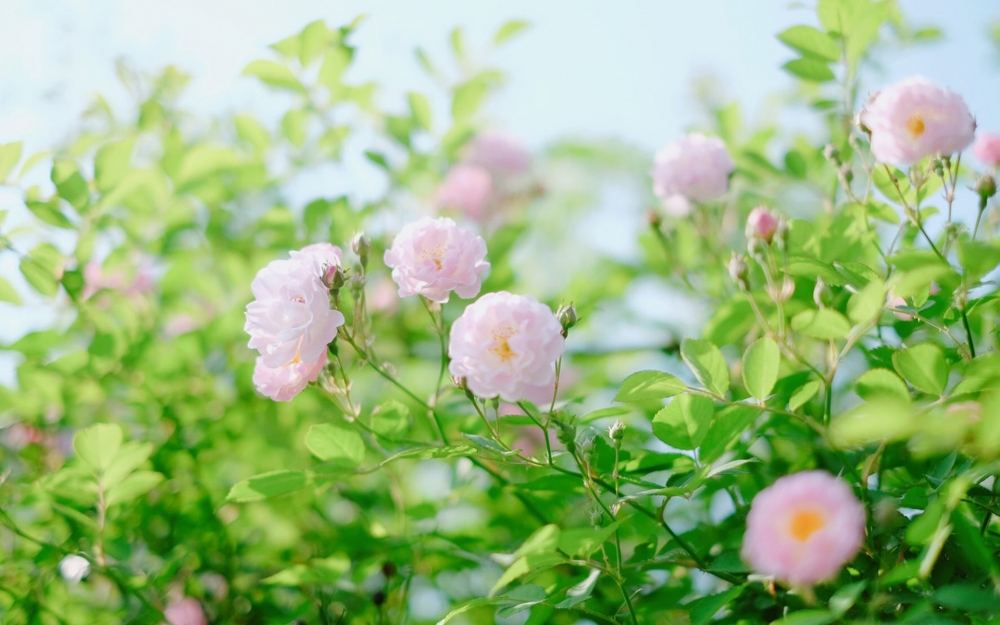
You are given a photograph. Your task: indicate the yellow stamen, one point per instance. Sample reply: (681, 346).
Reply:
(916, 126)
(502, 348)
(805, 523)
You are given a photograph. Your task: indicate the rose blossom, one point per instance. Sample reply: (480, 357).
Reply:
(497, 153)
(987, 148)
(505, 345)
(432, 257)
(468, 188)
(914, 119)
(762, 224)
(325, 257)
(291, 321)
(187, 611)
(804, 528)
(284, 383)
(694, 168)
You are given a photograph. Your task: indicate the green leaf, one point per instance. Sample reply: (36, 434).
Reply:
(130, 457)
(845, 598)
(204, 161)
(924, 366)
(70, 185)
(544, 540)
(265, 485)
(508, 30)
(98, 445)
(335, 63)
(133, 486)
(708, 365)
(684, 423)
(470, 95)
(427, 453)
(803, 395)
(336, 443)
(8, 293)
(580, 592)
(760, 367)
(865, 305)
(391, 419)
(49, 213)
(703, 609)
(273, 74)
(583, 541)
(878, 383)
(809, 70)
(420, 109)
(811, 41)
(646, 385)
(294, 125)
(528, 564)
(967, 598)
(112, 162)
(807, 617)
(821, 324)
(10, 155)
(253, 132)
(726, 427)
(312, 40)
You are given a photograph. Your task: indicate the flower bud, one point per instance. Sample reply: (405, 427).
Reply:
(938, 166)
(617, 431)
(831, 153)
(653, 218)
(761, 224)
(986, 187)
(567, 318)
(361, 245)
(566, 435)
(333, 278)
(738, 270)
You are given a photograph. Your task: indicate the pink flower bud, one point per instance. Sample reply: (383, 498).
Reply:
(804, 528)
(987, 149)
(762, 224)
(914, 119)
(433, 257)
(497, 153)
(187, 611)
(505, 345)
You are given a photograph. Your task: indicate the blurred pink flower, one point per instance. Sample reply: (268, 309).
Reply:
(326, 257)
(497, 153)
(433, 257)
(894, 301)
(914, 119)
(187, 611)
(762, 224)
(284, 383)
(95, 279)
(505, 345)
(694, 168)
(987, 148)
(291, 321)
(469, 188)
(804, 528)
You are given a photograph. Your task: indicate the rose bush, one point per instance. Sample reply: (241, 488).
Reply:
(235, 420)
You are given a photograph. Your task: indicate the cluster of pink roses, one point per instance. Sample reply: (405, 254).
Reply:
(491, 165)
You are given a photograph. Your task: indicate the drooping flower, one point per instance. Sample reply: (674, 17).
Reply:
(497, 153)
(284, 383)
(468, 188)
(505, 345)
(762, 224)
(987, 148)
(187, 611)
(914, 119)
(694, 168)
(291, 321)
(433, 257)
(804, 528)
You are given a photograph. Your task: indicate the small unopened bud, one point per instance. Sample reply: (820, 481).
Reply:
(361, 245)
(938, 166)
(388, 569)
(783, 293)
(567, 435)
(653, 218)
(458, 382)
(617, 431)
(333, 277)
(986, 187)
(846, 172)
(596, 517)
(762, 224)
(567, 318)
(831, 153)
(378, 598)
(739, 270)
(819, 291)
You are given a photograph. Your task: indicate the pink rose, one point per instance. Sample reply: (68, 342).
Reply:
(694, 168)
(284, 383)
(987, 148)
(762, 224)
(498, 154)
(291, 321)
(505, 345)
(326, 258)
(433, 257)
(804, 528)
(187, 611)
(915, 119)
(469, 188)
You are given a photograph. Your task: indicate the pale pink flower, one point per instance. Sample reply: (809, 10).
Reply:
(914, 119)
(291, 320)
(505, 345)
(762, 224)
(96, 278)
(894, 301)
(326, 257)
(694, 168)
(433, 257)
(187, 611)
(497, 153)
(987, 148)
(804, 528)
(469, 188)
(284, 383)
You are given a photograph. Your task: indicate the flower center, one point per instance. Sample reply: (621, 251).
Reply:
(501, 346)
(915, 125)
(805, 523)
(434, 255)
